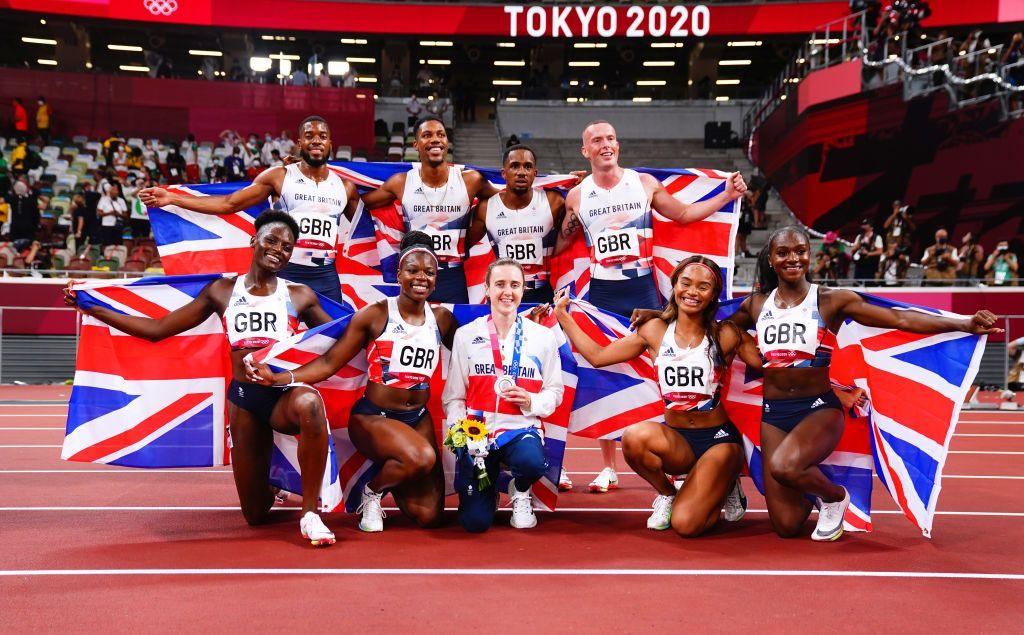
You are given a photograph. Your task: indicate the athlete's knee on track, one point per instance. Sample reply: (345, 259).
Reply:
(255, 515)
(425, 517)
(785, 471)
(688, 524)
(419, 460)
(788, 528)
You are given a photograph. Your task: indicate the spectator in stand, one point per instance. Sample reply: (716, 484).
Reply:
(267, 149)
(19, 119)
(940, 261)
(285, 143)
(759, 187)
(972, 258)
(1013, 352)
(5, 175)
(120, 157)
(348, 79)
(893, 265)
(438, 106)
(746, 224)
(92, 200)
(424, 79)
(229, 138)
(138, 215)
(111, 146)
(275, 158)
(831, 261)
(1001, 266)
(899, 226)
(44, 115)
(79, 218)
(234, 166)
(176, 166)
(24, 210)
(299, 77)
(1014, 53)
(323, 80)
(867, 251)
(414, 110)
(190, 152)
(113, 212)
(19, 158)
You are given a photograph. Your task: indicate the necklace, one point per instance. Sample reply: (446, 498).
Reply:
(690, 344)
(444, 191)
(787, 304)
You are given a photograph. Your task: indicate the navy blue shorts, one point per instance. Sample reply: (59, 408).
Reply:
(703, 439)
(257, 400)
(410, 418)
(451, 286)
(320, 278)
(622, 296)
(543, 294)
(785, 414)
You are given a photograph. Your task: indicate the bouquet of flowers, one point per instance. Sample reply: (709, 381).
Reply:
(471, 434)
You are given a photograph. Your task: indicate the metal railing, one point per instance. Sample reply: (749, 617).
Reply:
(47, 309)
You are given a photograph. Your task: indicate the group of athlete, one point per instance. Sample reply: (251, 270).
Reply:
(505, 369)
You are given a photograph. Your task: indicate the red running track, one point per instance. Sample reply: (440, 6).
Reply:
(90, 547)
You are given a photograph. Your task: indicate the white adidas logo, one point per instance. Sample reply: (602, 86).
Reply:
(818, 402)
(721, 434)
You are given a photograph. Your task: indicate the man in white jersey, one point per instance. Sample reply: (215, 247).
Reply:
(521, 221)
(435, 199)
(613, 207)
(319, 200)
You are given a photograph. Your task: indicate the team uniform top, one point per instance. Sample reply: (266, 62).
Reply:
(255, 321)
(442, 213)
(689, 378)
(525, 235)
(404, 355)
(617, 225)
(319, 209)
(795, 337)
(469, 390)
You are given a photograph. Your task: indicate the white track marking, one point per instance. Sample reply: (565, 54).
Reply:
(2, 428)
(36, 414)
(5, 447)
(790, 573)
(560, 510)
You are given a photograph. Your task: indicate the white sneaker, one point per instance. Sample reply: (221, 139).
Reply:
(830, 519)
(662, 517)
(735, 503)
(373, 515)
(522, 508)
(314, 530)
(564, 483)
(605, 481)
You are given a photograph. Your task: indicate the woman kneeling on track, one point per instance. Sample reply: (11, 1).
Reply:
(802, 419)
(258, 309)
(390, 423)
(691, 352)
(505, 371)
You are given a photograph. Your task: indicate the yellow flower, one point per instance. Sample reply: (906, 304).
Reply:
(474, 429)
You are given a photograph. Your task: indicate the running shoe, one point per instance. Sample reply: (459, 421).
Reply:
(522, 508)
(315, 531)
(735, 503)
(605, 481)
(564, 483)
(830, 519)
(373, 516)
(661, 519)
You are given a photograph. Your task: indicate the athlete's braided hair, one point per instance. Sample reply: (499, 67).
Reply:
(276, 216)
(415, 241)
(766, 279)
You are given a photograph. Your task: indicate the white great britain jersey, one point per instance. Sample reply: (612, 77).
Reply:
(617, 224)
(687, 378)
(525, 235)
(442, 213)
(255, 321)
(319, 209)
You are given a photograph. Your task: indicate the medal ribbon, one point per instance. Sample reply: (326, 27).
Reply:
(517, 349)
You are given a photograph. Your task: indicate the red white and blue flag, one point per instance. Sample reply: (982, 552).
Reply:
(162, 404)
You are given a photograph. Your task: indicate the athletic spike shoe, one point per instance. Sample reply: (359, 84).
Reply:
(315, 531)
(735, 503)
(605, 481)
(830, 519)
(522, 508)
(661, 519)
(564, 483)
(373, 515)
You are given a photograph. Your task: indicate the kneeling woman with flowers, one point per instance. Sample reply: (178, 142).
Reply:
(505, 376)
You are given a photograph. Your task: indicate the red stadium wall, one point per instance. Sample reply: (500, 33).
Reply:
(93, 105)
(838, 162)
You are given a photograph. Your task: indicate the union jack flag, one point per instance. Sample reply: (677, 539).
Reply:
(161, 404)
(915, 386)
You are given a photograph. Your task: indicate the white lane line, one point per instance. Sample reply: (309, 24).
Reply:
(587, 510)
(2, 428)
(1000, 452)
(28, 446)
(36, 414)
(789, 573)
(965, 434)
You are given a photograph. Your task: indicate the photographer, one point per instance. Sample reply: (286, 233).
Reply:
(867, 250)
(940, 261)
(899, 226)
(893, 265)
(1001, 266)
(831, 261)
(971, 256)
